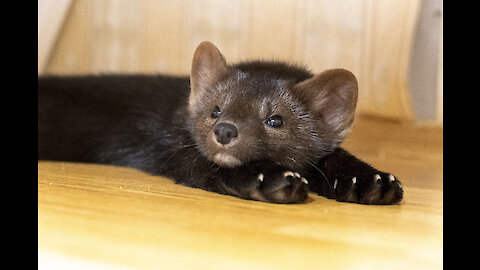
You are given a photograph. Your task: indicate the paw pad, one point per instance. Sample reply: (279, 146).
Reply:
(375, 188)
(278, 186)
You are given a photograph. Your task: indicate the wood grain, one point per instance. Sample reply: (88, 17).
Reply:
(72, 54)
(51, 16)
(106, 217)
(371, 38)
(333, 35)
(387, 39)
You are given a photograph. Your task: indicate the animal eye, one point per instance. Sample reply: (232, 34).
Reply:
(275, 121)
(216, 112)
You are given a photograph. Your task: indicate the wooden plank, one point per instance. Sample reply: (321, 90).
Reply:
(73, 51)
(386, 57)
(332, 35)
(115, 36)
(165, 37)
(51, 16)
(439, 120)
(220, 22)
(425, 71)
(272, 26)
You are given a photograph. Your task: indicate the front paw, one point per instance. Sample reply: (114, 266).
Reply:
(280, 187)
(373, 188)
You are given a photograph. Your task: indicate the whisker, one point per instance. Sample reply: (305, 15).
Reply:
(178, 150)
(193, 164)
(189, 145)
(326, 179)
(211, 165)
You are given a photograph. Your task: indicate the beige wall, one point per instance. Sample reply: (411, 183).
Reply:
(51, 16)
(372, 38)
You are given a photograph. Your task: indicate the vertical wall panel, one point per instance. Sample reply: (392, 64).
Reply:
(425, 61)
(440, 78)
(51, 15)
(333, 34)
(220, 22)
(115, 36)
(73, 48)
(165, 36)
(371, 38)
(387, 43)
(272, 26)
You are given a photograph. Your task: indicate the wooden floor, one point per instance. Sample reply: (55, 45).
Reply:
(105, 217)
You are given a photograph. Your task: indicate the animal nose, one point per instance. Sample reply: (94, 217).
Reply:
(225, 132)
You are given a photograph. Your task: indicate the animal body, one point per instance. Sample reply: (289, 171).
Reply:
(259, 130)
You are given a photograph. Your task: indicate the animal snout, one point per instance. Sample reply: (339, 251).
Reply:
(225, 133)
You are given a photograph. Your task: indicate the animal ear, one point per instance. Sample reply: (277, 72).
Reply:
(208, 66)
(333, 95)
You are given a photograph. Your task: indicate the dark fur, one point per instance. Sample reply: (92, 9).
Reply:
(147, 122)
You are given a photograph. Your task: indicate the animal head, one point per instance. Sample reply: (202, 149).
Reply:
(267, 110)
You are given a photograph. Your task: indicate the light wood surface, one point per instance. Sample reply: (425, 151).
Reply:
(106, 217)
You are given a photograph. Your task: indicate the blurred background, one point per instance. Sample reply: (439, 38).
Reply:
(394, 47)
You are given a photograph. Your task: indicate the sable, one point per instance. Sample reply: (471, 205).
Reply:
(257, 130)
